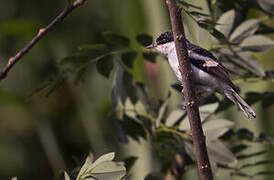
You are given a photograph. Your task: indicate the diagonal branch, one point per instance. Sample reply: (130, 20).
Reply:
(189, 94)
(43, 31)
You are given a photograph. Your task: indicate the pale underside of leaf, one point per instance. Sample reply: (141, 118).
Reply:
(103, 164)
(106, 157)
(219, 153)
(205, 112)
(174, 116)
(257, 43)
(108, 170)
(267, 5)
(244, 60)
(215, 128)
(66, 176)
(85, 167)
(225, 22)
(161, 112)
(244, 30)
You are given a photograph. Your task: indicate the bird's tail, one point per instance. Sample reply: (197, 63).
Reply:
(242, 105)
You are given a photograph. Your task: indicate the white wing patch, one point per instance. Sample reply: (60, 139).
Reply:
(210, 64)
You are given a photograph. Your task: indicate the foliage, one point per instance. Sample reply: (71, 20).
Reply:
(103, 168)
(137, 116)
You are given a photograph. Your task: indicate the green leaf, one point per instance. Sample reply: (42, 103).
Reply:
(146, 122)
(102, 168)
(189, 149)
(265, 29)
(162, 110)
(244, 60)
(174, 117)
(244, 30)
(92, 47)
(251, 155)
(142, 94)
(66, 176)
(238, 148)
(93, 50)
(209, 26)
(268, 99)
(106, 157)
(108, 170)
(123, 88)
(57, 84)
(269, 74)
(150, 56)
(205, 112)
(219, 153)
(253, 97)
(178, 87)
(263, 173)
(132, 128)
(215, 128)
(225, 22)
(240, 174)
(188, 5)
(128, 58)
(129, 162)
(74, 60)
(198, 14)
(257, 43)
(267, 5)
(263, 162)
(245, 134)
(266, 138)
(85, 167)
(144, 39)
(116, 39)
(105, 65)
(154, 176)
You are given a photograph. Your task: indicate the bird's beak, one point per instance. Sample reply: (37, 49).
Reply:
(151, 46)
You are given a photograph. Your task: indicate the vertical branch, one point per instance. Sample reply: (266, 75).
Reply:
(189, 94)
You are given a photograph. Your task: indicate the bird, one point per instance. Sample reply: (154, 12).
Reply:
(208, 73)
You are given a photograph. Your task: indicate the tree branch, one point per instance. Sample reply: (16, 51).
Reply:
(189, 94)
(43, 31)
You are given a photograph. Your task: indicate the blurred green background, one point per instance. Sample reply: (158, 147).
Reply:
(41, 136)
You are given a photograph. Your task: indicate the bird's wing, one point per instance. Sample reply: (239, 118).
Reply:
(207, 62)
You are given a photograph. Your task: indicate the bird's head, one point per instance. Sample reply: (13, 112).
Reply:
(163, 43)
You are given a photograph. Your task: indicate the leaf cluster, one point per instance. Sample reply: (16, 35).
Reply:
(103, 168)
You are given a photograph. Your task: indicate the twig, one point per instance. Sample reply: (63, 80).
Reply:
(43, 31)
(189, 95)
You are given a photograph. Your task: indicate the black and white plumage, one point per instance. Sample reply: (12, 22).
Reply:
(209, 74)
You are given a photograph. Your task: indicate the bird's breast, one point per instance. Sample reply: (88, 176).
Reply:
(199, 76)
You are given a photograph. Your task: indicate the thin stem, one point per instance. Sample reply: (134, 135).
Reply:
(42, 32)
(163, 128)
